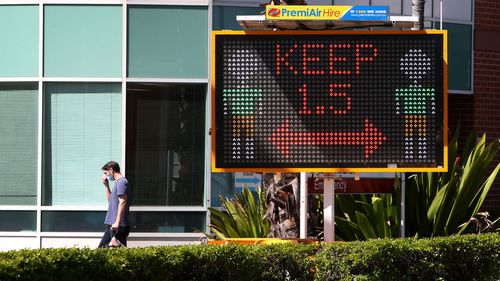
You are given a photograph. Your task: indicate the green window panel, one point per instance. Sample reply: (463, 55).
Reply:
(224, 17)
(459, 55)
(18, 143)
(82, 132)
(73, 221)
(167, 41)
(17, 221)
(85, 221)
(174, 222)
(19, 33)
(83, 41)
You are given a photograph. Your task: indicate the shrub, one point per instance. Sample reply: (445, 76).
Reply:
(466, 257)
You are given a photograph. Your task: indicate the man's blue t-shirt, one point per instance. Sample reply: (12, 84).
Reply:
(121, 187)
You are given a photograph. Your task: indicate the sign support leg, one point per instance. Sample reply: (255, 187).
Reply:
(303, 205)
(403, 213)
(329, 209)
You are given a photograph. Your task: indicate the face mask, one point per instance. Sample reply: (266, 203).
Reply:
(110, 178)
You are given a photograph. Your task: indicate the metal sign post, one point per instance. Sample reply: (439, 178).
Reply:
(303, 205)
(403, 200)
(329, 208)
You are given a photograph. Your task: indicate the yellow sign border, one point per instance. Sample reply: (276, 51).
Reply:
(335, 32)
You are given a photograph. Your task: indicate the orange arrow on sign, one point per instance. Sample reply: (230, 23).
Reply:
(371, 138)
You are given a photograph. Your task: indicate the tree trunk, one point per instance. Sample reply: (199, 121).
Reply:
(282, 208)
(417, 10)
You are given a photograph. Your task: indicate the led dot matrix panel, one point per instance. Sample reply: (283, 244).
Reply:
(329, 101)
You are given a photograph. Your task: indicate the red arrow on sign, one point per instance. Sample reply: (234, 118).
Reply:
(371, 138)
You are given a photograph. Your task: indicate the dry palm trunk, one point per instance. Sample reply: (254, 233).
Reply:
(282, 209)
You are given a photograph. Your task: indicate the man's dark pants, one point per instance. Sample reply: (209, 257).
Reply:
(121, 235)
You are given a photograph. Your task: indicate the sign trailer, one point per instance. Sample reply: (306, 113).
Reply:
(331, 101)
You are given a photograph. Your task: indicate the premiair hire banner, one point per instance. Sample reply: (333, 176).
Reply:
(345, 13)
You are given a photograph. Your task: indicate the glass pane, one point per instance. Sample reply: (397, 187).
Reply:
(17, 221)
(228, 185)
(166, 143)
(82, 133)
(462, 12)
(167, 41)
(168, 222)
(83, 41)
(224, 17)
(222, 184)
(18, 143)
(459, 55)
(19, 33)
(73, 221)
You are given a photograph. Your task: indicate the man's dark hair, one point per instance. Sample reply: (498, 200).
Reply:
(111, 165)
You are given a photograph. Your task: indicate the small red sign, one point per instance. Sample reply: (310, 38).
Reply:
(352, 186)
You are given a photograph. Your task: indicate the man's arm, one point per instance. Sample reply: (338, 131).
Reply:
(105, 181)
(122, 202)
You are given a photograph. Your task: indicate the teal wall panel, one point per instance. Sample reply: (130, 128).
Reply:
(82, 41)
(168, 41)
(19, 41)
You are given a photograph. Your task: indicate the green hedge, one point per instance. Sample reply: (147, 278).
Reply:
(467, 257)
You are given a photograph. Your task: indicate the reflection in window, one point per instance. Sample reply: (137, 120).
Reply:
(166, 143)
(222, 184)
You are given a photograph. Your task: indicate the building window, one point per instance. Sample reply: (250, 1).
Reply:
(222, 184)
(82, 132)
(82, 41)
(18, 143)
(19, 33)
(167, 41)
(174, 222)
(459, 55)
(224, 17)
(73, 221)
(17, 221)
(165, 144)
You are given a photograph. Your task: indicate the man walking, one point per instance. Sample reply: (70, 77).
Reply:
(117, 217)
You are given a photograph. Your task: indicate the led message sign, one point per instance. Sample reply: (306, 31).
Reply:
(329, 101)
